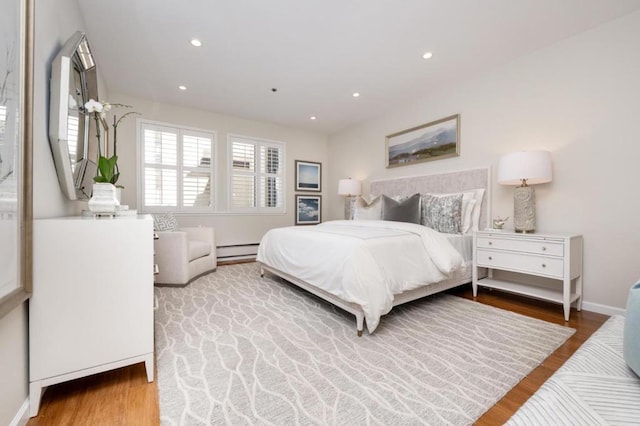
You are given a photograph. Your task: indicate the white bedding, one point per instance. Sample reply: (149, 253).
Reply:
(463, 243)
(364, 262)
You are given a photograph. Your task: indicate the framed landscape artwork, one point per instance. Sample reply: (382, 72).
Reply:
(432, 141)
(308, 176)
(309, 208)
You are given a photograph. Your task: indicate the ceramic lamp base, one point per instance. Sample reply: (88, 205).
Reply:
(349, 205)
(524, 209)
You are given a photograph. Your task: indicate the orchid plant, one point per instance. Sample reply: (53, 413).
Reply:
(107, 166)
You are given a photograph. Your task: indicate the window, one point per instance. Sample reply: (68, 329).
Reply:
(178, 168)
(256, 178)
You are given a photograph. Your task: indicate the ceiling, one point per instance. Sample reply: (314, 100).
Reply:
(318, 53)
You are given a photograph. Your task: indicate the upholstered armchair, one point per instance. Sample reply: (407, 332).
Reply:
(184, 255)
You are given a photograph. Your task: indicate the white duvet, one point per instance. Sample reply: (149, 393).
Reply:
(365, 262)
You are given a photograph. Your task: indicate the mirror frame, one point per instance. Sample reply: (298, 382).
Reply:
(75, 60)
(23, 166)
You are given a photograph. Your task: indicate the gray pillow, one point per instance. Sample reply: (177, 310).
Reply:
(407, 210)
(444, 214)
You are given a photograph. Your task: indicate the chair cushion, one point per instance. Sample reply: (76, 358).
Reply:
(198, 249)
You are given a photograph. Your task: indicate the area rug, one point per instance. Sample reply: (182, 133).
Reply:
(234, 348)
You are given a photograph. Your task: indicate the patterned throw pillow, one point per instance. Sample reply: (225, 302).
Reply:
(368, 211)
(407, 210)
(165, 222)
(468, 207)
(442, 213)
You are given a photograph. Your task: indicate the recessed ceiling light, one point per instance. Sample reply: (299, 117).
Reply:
(356, 95)
(427, 55)
(181, 87)
(195, 42)
(313, 117)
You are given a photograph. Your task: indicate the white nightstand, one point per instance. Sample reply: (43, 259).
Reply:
(552, 256)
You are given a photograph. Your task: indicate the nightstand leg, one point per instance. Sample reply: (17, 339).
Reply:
(566, 298)
(579, 293)
(474, 281)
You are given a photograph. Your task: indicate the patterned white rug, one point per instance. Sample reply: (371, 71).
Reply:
(234, 348)
(594, 387)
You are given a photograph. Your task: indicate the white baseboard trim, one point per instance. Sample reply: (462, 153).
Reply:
(22, 416)
(603, 309)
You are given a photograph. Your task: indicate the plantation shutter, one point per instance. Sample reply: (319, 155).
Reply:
(243, 176)
(160, 166)
(257, 175)
(178, 169)
(197, 168)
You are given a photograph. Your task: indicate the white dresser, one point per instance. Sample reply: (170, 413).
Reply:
(92, 304)
(558, 257)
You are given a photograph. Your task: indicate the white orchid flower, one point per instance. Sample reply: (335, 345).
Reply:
(94, 106)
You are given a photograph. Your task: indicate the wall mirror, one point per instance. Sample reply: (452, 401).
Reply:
(76, 137)
(16, 86)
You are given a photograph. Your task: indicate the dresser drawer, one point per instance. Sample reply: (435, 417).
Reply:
(538, 265)
(548, 248)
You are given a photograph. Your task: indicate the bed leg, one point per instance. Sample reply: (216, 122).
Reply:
(261, 272)
(360, 323)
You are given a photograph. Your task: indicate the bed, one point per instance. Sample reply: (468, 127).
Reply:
(368, 266)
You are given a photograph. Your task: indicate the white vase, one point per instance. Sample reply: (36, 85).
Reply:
(103, 199)
(119, 194)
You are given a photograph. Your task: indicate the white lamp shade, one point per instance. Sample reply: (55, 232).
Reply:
(534, 166)
(349, 187)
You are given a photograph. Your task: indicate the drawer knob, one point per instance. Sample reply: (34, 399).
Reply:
(490, 243)
(544, 248)
(544, 266)
(490, 258)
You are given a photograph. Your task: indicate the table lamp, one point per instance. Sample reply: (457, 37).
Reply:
(351, 188)
(524, 168)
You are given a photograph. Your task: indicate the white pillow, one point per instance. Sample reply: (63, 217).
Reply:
(475, 215)
(371, 210)
(467, 210)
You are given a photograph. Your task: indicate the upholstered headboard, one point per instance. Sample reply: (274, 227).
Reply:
(459, 181)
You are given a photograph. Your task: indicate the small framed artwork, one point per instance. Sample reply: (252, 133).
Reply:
(309, 208)
(432, 141)
(308, 176)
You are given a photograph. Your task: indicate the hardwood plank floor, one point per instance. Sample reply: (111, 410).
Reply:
(123, 396)
(584, 322)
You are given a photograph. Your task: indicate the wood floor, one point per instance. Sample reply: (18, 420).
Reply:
(123, 396)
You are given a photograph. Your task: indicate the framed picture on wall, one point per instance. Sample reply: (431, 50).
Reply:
(432, 141)
(308, 176)
(308, 210)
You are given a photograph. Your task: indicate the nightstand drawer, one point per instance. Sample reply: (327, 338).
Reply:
(548, 248)
(537, 265)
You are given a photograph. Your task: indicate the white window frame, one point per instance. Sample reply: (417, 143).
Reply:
(282, 174)
(179, 208)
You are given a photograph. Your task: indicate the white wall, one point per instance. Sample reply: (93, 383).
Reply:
(13, 363)
(55, 22)
(579, 99)
(230, 229)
